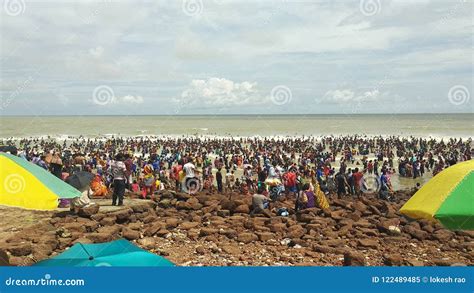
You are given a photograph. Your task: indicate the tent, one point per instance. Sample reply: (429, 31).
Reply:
(447, 197)
(118, 253)
(24, 184)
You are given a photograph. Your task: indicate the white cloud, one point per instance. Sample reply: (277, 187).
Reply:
(96, 52)
(130, 99)
(347, 95)
(221, 92)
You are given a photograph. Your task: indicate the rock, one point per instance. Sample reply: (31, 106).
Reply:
(265, 236)
(223, 213)
(353, 258)
(107, 221)
(200, 250)
(147, 242)
(305, 218)
(150, 219)
(278, 227)
(416, 233)
(188, 225)
(122, 216)
(130, 234)
(393, 260)
(443, 235)
(370, 243)
(171, 223)
(4, 259)
(141, 207)
(207, 231)
(229, 233)
(162, 233)
(231, 249)
(165, 204)
(444, 262)
(415, 262)
(242, 209)
(183, 205)
(247, 237)
(82, 240)
(297, 233)
(99, 237)
(21, 249)
(323, 249)
(150, 231)
(194, 204)
(359, 206)
(88, 211)
(333, 242)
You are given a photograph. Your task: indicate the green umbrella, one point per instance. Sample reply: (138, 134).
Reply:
(118, 253)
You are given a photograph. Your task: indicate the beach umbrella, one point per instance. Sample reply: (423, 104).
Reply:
(118, 253)
(80, 180)
(26, 185)
(447, 197)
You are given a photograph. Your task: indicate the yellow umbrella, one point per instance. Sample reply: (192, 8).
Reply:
(447, 197)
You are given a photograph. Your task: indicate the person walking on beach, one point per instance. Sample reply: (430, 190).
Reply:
(341, 183)
(118, 170)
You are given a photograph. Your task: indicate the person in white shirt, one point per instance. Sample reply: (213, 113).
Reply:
(118, 170)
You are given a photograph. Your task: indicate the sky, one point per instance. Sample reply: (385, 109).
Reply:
(112, 57)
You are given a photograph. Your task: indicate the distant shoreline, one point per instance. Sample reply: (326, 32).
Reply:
(242, 115)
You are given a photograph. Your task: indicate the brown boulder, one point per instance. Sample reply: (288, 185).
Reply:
(99, 237)
(242, 209)
(20, 249)
(265, 236)
(247, 237)
(208, 231)
(188, 225)
(353, 258)
(171, 223)
(130, 234)
(416, 233)
(107, 221)
(150, 231)
(229, 233)
(393, 260)
(162, 233)
(88, 211)
(231, 249)
(278, 227)
(369, 243)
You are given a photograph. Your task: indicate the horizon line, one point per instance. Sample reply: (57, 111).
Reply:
(191, 115)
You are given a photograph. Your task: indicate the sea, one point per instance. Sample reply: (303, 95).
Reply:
(418, 125)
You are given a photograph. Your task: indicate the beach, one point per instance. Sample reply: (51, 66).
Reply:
(213, 230)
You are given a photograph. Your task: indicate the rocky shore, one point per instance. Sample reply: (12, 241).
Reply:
(216, 230)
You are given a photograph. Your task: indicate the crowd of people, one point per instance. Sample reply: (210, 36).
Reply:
(296, 166)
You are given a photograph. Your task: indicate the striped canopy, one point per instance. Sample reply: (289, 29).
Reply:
(447, 197)
(26, 185)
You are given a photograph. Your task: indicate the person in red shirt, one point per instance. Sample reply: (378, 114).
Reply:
(357, 176)
(175, 172)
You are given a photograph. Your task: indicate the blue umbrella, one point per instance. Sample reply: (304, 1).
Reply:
(118, 253)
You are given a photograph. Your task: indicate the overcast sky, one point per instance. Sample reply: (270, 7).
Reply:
(235, 57)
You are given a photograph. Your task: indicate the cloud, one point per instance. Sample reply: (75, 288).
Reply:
(348, 96)
(130, 99)
(97, 52)
(221, 92)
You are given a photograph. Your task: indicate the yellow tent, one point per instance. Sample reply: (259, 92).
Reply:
(24, 184)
